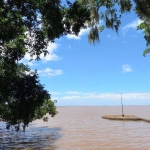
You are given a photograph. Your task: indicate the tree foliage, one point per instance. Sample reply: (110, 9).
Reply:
(23, 98)
(143, 10)
(28, 26)
(110, 12)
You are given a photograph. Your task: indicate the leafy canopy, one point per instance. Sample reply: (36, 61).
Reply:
(143, 10)
(27, 26)
(110, 12)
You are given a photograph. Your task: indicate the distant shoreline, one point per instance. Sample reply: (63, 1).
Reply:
(100, 105)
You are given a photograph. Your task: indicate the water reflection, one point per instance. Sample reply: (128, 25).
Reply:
(33, 139)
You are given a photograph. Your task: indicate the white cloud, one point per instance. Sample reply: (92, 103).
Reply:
(73, 92)
(108, 96)
(72, 36)
(126, 68)
(49, 72)
(31, 72)
(71, 97)
(29, 63)
(133, 24)
(81, 33)
(49, 57)
(27, 56)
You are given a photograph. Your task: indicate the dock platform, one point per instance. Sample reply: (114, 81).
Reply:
(125, 117)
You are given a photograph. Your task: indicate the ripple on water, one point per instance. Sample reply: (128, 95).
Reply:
(34, 138)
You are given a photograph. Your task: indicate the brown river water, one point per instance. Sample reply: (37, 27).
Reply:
(82, 128)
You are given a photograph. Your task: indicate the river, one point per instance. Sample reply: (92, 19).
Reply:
(82, 128)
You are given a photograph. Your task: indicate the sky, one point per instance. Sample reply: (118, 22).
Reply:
(78, 73)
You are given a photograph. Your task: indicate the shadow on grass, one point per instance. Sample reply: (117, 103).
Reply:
(35, 138)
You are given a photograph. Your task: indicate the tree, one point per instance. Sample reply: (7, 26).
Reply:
(110, 11)
(23, 99)
(27, 26)
(143, 10)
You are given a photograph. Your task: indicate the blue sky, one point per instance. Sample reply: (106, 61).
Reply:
(77, 73)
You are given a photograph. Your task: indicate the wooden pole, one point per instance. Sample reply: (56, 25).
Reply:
(122, 106)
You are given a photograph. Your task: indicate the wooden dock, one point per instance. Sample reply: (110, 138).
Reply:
(126, 117)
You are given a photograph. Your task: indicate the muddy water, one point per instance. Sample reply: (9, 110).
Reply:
(82, 128)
